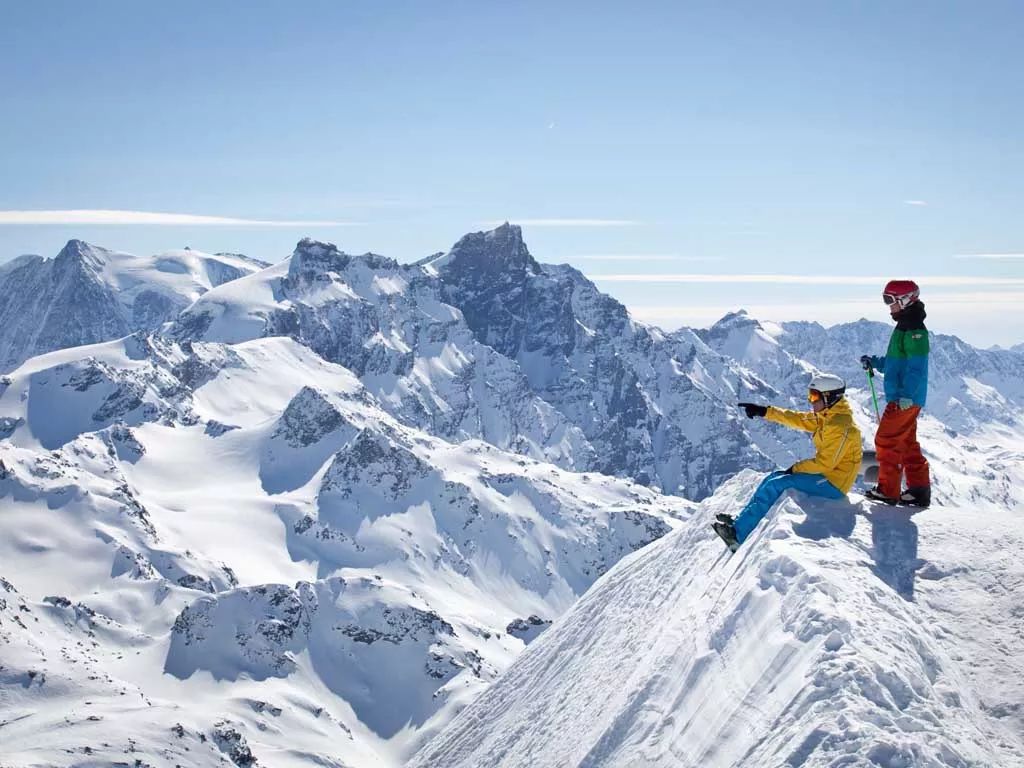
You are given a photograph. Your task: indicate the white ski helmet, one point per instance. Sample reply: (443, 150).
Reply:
(828, 387)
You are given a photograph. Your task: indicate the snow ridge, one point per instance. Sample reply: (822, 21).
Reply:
(812, 646)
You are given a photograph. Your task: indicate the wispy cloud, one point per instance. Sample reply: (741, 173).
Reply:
(943, 280)
(916, 202)
(563, 223)
(991, 256)
(110, 217)
(633, 257)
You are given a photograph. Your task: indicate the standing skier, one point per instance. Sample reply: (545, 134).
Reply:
(905, 367)
(830, 473)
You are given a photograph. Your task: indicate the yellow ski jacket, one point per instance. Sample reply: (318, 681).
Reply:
(836, 439)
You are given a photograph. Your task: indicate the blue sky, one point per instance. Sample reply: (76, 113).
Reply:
(642, 140)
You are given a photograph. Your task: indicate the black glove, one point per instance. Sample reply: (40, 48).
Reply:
(865, 362)
(753, 409)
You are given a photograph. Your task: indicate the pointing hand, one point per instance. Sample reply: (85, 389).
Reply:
(753, 410)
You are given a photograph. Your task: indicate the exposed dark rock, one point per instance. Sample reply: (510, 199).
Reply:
(8, 425)
(527, 629)
(215, 428)
(232, 743)
(308, 418)
(191, 581)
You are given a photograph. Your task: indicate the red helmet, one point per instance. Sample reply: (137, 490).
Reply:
(900, 294)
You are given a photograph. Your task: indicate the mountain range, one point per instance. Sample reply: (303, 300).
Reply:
(309, 512)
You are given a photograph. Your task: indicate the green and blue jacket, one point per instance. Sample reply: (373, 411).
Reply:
(905, 364)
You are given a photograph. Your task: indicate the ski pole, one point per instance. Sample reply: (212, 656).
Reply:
(871, 383)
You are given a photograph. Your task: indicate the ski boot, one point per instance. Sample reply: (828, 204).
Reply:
(726, 531)
(917, 497)
(874, 494)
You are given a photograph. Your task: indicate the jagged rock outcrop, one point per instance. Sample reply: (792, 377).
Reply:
(646, 401)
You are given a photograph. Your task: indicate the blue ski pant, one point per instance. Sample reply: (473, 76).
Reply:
(772, 487)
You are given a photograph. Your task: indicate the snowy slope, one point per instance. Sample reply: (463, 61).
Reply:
(89, 294)
(840, 634)
(242, 550)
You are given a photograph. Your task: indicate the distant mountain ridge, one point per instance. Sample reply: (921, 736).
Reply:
(574, 380)
(89, 294)
(484, 341)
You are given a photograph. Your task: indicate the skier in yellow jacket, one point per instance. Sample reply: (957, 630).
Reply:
(832, 471)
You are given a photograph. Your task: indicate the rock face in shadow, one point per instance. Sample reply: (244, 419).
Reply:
(86, 308)
(647, 402)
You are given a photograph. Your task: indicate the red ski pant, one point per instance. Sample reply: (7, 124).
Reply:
(899, 452)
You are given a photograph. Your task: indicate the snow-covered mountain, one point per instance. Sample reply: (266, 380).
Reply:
(580, 384)
(486, 342)
(387, 324)
(844, 633)
(645, 400)
(321, 509)
(88, 294)
(202, 540)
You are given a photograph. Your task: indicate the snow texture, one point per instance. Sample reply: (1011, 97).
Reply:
(355, 575)
(842, 633)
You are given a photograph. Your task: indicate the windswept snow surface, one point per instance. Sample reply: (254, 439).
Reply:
(840, 634)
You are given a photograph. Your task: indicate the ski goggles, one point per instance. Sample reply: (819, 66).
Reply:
(813, 396)
(900, 299)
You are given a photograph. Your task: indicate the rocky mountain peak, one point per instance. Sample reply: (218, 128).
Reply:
(492, 253)
(79, 252)
(312, 260)
(733, 321)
